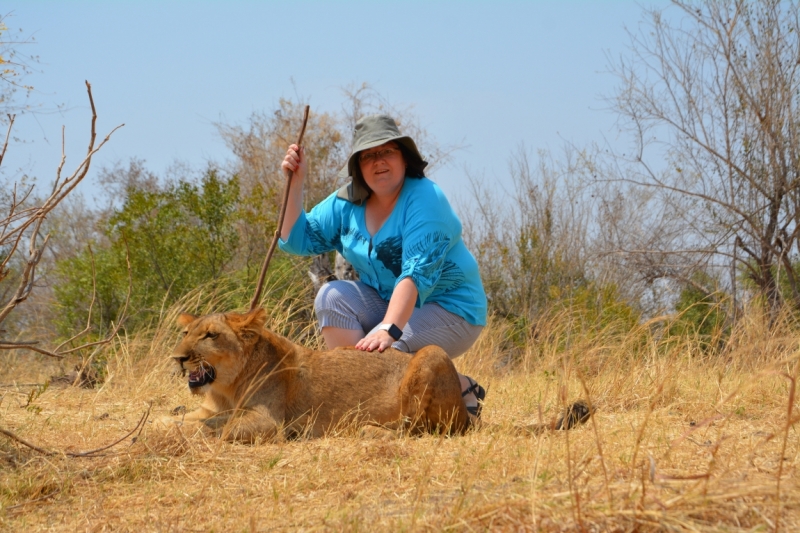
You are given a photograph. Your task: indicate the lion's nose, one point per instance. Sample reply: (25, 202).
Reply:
(180, 359)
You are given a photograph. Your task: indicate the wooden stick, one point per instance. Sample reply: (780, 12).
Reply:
(262, 276)
(37, 500)
(88, 453)
(22, 441)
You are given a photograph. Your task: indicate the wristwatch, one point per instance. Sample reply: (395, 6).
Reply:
(393, 330)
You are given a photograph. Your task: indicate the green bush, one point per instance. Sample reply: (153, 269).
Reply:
(176, 237)
(701, 315)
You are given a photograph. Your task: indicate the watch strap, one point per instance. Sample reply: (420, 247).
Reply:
(393, 331)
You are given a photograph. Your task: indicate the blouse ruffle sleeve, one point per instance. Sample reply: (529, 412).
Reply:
(316, 232)
(431, 229)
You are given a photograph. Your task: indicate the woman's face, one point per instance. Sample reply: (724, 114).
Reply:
(383, 168)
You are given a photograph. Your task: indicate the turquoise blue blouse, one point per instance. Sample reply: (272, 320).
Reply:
(420, 240)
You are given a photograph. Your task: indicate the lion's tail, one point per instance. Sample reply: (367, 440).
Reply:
(576, 414)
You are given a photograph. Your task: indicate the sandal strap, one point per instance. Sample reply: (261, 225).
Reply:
(480, 394)
(473, 387)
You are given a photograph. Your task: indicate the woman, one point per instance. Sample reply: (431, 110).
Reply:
(419, 284)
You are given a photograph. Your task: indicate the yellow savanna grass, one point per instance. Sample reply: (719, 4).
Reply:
(684, 439)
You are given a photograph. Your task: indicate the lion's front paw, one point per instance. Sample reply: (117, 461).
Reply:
(377, 433)
(177, 423)
(165, 422)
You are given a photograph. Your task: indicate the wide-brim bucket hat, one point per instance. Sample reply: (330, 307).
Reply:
(372, 131)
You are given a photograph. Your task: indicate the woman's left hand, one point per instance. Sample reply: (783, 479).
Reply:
(380, 340)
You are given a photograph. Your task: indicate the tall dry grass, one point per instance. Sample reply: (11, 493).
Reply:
(684, 439)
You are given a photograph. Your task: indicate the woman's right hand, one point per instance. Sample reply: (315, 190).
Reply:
(294, 165)
(295, 162)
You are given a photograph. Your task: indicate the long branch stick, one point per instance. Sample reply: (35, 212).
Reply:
(265, 266)
(87, 453)
(35, 500)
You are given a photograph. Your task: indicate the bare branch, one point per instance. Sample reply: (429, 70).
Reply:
(26, 281)
(28, 346)
(714, 90)
(88, 453)
(8, 134)
(26, 223)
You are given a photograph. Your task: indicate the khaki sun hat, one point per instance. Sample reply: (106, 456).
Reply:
(370, 132)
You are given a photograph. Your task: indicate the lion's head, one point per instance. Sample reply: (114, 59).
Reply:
(214, 347)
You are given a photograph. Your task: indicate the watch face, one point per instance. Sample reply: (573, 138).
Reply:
(393, 330)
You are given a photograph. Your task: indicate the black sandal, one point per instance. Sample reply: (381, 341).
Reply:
(480, 394)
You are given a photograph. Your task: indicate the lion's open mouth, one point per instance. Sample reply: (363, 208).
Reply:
(204, 375)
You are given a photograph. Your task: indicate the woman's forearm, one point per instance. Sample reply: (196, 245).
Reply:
(293, 208)
(401, 304)
(294, 164)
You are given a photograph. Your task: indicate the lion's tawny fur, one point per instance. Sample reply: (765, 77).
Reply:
(267, 387)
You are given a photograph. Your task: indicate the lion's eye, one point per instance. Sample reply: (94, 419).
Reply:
(210, 335)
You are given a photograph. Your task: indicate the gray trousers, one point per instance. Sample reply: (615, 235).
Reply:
(356, 306)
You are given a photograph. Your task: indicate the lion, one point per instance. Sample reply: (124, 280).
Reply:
(258, 385)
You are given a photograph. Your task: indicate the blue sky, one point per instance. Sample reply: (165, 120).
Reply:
(487, 76)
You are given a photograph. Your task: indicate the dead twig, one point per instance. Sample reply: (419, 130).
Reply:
(29, 346)
(8, 134)
(36, 500)
(58, 352)
(22, 441)
(88, 453)
(262, 276)
(29, 221)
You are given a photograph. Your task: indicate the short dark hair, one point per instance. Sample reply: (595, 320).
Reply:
(415, 167)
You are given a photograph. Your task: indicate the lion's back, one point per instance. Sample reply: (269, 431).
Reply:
(360, 369)
(346, 379)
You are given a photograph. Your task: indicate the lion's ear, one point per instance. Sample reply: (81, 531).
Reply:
(248, 323)
(184, 319)
(258, 318)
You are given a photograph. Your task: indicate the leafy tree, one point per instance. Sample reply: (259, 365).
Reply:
(259, 148)
(91, 279)
(213, 208)
(701, 312)
(178, 237)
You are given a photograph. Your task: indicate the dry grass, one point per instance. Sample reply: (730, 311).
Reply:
(682, 441)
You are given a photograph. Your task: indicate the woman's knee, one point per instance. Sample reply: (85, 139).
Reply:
(332, 295)
(455, 339)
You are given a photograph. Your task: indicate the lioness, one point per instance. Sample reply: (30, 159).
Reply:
(259, 385)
